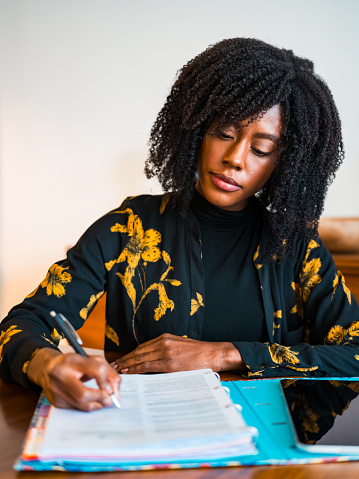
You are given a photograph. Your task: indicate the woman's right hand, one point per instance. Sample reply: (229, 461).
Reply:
(61, 376)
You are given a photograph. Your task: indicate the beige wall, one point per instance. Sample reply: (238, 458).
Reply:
(82, 81)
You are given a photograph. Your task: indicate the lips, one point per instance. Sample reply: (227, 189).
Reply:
(224, 182)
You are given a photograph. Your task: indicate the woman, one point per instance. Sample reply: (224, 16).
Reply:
(225, 270)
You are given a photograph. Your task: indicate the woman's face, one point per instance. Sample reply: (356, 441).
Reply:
(236, 163)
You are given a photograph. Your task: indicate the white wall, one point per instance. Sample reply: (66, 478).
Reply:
(82, 82)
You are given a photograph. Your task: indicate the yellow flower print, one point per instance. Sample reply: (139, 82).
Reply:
(287, 382)
(56, 336)
(308, 279)
(280, 354)
(126, 280)
(309, 276)
(357, 357)
(339, 279)
(337, 334)
(5, 336)
(298, 308)
(55, 280)
(111, 334)
(164, 203)
(256, 254)
(310, 419)
(150, 251)
(141, 249)
(277, 316)
(110, 264)
(258, 373)
(25, 366)
(127, 228)
(313, 368)
(279, 255)
(310, 424)
(142, 245)
(353, 385)
(47, 339)
(93, 299)
(311, 245)
(33, 293)
(196, 304)
(164, 302)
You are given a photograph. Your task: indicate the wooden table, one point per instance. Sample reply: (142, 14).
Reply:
(17, 405)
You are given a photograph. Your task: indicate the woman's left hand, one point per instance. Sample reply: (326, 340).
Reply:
(170, 353)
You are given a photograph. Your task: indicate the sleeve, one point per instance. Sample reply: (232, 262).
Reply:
(71, 287)
(330, 316)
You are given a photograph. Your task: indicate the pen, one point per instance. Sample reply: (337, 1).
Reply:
(75, 341)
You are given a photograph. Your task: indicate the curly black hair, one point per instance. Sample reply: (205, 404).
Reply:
(240, 79)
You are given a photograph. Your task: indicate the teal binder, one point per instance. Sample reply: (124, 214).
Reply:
(263, 407)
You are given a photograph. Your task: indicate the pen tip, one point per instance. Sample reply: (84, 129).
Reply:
(115, 401)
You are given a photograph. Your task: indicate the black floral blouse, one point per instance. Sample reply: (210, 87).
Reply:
(147, 257)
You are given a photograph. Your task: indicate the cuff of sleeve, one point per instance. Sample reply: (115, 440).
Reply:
(20, 356)
(255, 356)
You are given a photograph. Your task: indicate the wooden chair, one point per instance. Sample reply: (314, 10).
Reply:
(341, 237)
(92, 332)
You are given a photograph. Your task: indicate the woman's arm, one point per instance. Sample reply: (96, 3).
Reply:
(28, 337)
(329, 317)
(169, 353)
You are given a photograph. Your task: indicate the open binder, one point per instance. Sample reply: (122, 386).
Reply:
(265, 434)
(182, 418)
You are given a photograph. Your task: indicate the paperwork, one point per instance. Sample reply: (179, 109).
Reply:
(163, 418)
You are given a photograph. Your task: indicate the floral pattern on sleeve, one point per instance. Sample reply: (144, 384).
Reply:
(340, 280)
(93, 300)
(339, 335)
(54, 281)
(5, 336)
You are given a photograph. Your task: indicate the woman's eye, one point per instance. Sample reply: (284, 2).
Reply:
(224, 136)
(260, 152)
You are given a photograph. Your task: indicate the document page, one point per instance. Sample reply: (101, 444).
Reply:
(164, 414)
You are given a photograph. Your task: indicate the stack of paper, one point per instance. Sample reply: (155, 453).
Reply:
(164, 418)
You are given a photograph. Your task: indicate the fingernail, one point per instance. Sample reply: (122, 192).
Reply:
(124, 370)
(107, 402)
(108, 389)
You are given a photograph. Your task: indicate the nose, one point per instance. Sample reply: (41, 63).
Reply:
(235, 156)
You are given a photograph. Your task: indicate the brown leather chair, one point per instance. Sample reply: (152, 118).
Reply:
(341, 237)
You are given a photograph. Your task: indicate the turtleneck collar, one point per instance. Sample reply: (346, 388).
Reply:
(211, 217)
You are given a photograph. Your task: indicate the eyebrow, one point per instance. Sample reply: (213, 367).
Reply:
(267, 136)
